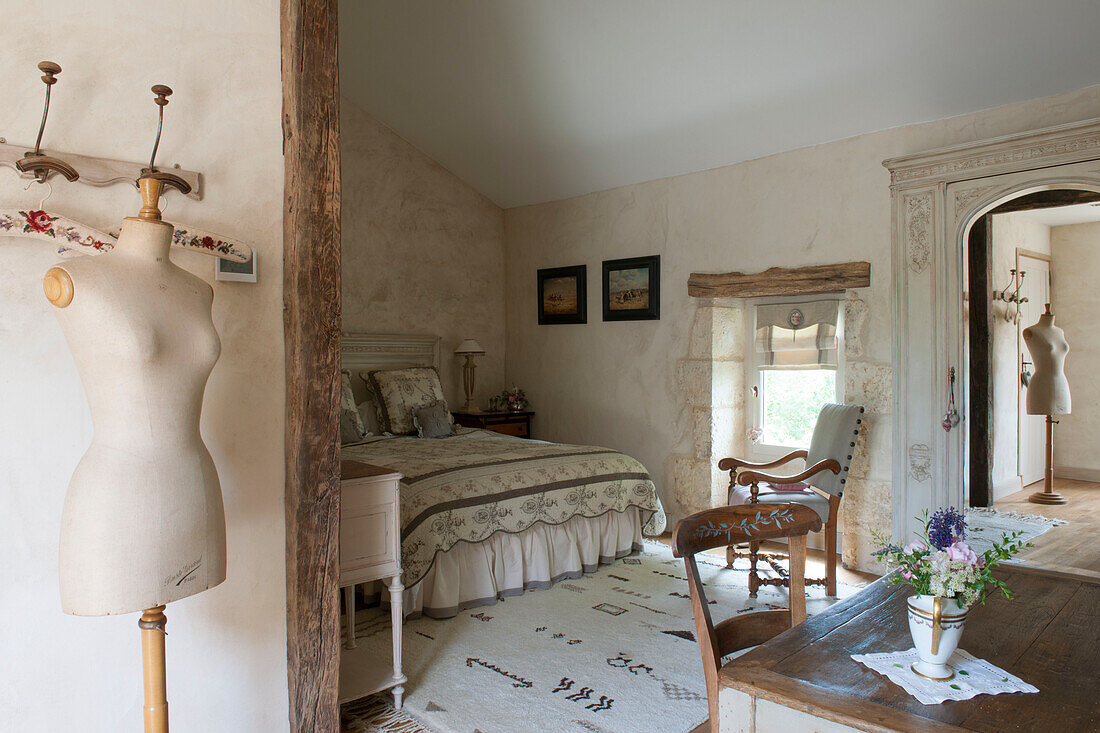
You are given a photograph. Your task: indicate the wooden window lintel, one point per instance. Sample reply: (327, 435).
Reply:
(781, 281)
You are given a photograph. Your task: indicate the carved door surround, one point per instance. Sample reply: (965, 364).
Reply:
(936, 197)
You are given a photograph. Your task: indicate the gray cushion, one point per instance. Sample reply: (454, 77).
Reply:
(807, 497)
(834, 437)
(433, 421)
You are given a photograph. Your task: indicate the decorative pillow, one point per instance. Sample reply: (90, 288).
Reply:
(352, 428)
(400, 391)
(433, 421)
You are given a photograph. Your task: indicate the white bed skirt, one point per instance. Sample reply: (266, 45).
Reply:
(470, 575)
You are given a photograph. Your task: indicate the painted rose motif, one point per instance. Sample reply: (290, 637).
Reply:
(40, 224)
(185, 239)
(38, 221)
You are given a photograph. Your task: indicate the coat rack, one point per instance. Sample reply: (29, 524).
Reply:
(73, 238)
(41, 164)
(37, 163)
(1013, 297)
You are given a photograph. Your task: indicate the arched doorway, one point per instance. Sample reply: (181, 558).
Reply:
(1005, 448)
(937, 197)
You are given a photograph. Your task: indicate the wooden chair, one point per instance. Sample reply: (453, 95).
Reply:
(827, 463)
(730, 525)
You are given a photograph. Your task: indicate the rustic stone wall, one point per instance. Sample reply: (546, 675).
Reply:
(867, 505)
(710, 382)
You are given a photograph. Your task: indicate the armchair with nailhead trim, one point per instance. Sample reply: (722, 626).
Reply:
(819, 487)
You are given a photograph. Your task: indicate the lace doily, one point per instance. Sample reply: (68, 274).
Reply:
(973, 676)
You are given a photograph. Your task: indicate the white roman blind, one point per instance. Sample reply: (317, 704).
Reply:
(797, 335)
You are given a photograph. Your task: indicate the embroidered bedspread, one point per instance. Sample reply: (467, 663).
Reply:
(475, 484)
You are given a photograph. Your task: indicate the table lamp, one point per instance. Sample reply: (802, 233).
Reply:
(469, 348)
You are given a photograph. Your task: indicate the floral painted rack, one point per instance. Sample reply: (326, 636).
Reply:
(74, 239)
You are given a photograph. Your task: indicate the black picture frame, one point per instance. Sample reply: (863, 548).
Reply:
(651, 310)
(579, 313)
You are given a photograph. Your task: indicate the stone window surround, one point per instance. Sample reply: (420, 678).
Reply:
(711, 382)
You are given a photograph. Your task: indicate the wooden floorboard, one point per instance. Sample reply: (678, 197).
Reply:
(1071, 547)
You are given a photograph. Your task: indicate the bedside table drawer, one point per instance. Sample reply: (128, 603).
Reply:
(515, 424)
(366, 538)
(518, 429)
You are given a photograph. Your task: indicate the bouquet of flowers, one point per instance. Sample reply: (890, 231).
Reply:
(513, 400)
(942, 564)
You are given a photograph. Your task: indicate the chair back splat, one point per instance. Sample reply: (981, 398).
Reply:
(834, 438)
(728, 525)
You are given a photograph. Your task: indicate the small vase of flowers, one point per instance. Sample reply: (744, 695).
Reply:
(948, 578)
(511, 400)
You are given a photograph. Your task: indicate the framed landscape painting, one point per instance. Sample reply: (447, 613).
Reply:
(563, 295)
(632, 289)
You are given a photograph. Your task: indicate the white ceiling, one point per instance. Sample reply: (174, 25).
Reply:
(537, 100)
(1060, 216)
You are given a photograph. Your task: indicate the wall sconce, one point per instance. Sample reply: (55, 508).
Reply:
(469, 348)
(1013, 297)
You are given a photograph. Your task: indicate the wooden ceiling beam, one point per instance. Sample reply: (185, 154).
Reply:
(781, 281)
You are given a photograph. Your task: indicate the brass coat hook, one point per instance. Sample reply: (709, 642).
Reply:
(151, 181)
(35, 162)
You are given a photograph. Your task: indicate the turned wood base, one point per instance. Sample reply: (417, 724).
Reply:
(152, 624)
(1048, 495)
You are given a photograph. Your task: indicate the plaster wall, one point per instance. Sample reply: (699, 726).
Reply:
(226, 647)
(442, 245)
(623, 384)
(1010, 232)
(1075, 302)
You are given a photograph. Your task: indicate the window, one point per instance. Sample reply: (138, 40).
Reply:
(796, 368)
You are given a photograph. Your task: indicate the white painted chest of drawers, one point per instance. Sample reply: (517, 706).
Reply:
(370, 550)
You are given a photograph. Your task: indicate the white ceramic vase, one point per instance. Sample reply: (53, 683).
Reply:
(936, 625)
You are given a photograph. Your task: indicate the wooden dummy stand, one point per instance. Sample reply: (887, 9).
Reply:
(152, 624)
(1048, 495)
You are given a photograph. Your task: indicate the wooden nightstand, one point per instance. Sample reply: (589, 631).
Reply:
(506, 423)
(370, 549)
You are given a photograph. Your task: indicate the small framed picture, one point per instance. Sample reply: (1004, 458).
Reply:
(563, 295)
(241, 272)
(632, 289)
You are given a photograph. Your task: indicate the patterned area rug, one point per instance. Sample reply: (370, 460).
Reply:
(984, 526)
(376, 714)
(607, 653)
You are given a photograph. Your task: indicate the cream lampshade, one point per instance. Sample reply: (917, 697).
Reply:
(469, 348)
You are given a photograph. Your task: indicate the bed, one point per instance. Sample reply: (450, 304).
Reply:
(484, 516)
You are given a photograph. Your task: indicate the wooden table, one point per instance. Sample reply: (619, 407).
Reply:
(1048, 635)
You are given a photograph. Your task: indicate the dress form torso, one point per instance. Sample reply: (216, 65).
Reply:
(143, 522)
(1048, 389)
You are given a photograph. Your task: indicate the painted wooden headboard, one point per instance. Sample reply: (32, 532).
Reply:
(364, 352)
